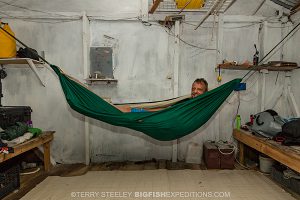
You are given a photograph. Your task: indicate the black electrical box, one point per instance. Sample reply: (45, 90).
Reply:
(9, 115)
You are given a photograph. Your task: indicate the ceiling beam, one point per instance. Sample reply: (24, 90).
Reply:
(154, 6)
(278, 7)
(295, 9)
(283, 4)
(258, 7)
(214, 6)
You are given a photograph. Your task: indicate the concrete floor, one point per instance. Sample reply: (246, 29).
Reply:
(161, 184)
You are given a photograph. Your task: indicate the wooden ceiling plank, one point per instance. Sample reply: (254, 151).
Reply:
(154, 6)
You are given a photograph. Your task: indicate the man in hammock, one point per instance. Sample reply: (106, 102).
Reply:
(199, 87)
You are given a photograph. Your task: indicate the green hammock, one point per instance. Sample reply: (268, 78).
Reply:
(168, 124)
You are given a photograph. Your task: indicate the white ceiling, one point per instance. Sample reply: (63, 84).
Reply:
(239, 7)
(74, 5)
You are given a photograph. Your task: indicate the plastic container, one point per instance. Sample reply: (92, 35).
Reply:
(194, 153)
(265, 164)
(29, 123)
(9, 115)
(8, 46)
(189, 4)
(255, 59)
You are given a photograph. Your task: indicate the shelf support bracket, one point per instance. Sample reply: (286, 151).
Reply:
(32, 66)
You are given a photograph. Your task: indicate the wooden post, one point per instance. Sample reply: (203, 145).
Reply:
(176, 80)
(241, 153)
(47, 156)
(86, 72)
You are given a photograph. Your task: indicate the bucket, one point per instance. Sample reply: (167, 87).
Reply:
(189, 4)
(194, 153)
(265, 164)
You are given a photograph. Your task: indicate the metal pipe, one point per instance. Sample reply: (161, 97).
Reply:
(185, 6)
(258, 7)
(230, 4)
(209, 12)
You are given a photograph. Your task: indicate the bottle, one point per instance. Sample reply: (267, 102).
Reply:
(255, 56)
(238, 122)
(29, 124)
(255, 59)
(251, 119)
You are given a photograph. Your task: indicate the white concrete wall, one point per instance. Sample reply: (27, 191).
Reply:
(141, 67)
(144, 61)
(197, 63)
(62, 44)
(292, 53)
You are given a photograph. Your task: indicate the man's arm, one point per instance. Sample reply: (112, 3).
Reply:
(126, 108)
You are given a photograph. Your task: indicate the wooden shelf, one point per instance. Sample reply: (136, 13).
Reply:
(18, 61)
(258, 68)
(24, 62)
(286, 155)
(101, 80)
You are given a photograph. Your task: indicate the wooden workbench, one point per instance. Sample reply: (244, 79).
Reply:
(286, 155)
(44, 139)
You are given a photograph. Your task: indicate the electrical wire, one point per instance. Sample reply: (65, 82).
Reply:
(34, 10)
(211, 49)
(119, 19)
(32, 172)
(184, 22)
(13, 1)
(221, 144)
(245, 167)
(236, 27)
(245, 26)
(51, 21)
(254, 82)
(192, 45)
(171, 33)
(277, 77)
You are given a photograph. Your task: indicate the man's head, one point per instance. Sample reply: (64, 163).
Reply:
(199, 86)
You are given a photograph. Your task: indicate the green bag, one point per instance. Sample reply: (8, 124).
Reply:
(35, 131)
(14, 131)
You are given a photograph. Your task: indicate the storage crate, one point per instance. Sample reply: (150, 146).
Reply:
(291, 183)
(218, 156)
(9, 115)
(9, 178)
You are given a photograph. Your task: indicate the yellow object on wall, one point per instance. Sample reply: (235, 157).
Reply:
(8, 46)
(194, 4)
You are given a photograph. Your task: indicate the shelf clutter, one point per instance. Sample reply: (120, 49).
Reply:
(270, 66)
